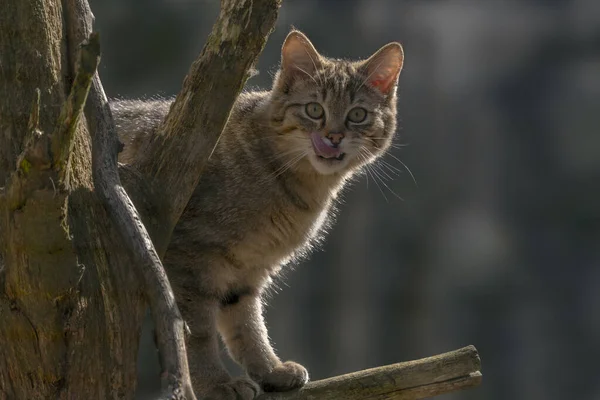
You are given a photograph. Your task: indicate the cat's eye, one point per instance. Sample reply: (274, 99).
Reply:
(357, 115)
(315, 110)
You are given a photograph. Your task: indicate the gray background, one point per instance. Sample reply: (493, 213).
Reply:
(498, 246)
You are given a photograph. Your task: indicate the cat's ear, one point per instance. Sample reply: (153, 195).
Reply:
(383, 68)
(299, 58)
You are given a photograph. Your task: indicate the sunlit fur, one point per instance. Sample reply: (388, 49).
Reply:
(262, 201)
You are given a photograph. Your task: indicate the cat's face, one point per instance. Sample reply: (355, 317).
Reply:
(336, 114)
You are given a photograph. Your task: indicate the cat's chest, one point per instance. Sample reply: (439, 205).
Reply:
(278, 235)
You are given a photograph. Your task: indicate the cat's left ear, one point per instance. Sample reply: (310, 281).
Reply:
(383, 68)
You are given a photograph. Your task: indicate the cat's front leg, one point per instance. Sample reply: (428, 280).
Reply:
(210, 379)
(243, 330)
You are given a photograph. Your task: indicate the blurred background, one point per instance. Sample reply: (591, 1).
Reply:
(498, 245)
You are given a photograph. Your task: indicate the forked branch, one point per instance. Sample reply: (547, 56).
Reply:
(200, 113)
(412, 380)
(157, 290)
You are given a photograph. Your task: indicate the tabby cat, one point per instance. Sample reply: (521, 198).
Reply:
(264, 200)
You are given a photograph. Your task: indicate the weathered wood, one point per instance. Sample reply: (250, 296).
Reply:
(71, 310)
(167, 320)
(63, 138)
(169, 325)
(412, 380)
(190, 132)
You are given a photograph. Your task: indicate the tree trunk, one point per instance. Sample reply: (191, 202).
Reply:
(71, 301)
(71, 310)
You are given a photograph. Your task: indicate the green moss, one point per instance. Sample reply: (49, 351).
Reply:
(25, 165)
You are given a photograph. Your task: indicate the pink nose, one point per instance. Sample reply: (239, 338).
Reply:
(336, 138)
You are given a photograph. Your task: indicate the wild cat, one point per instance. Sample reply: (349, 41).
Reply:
(264, 198)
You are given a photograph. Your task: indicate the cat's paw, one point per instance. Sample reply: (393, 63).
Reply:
(284, 377)
(236, 389)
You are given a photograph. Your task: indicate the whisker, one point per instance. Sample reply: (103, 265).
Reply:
(293, 161)
(291, 165)
(397, 146)
(396, 171)
(406, 167)
(400, 161)
(380, 174)
(382, 171)
(275, 173)
(392, 144)
(391, 168)
(388, 188)
(377, 183)
(364, 159)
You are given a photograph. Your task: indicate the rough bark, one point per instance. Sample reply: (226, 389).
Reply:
(70, 310)
(70, 303)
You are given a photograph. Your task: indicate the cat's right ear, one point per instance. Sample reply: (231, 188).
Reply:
(299, 58)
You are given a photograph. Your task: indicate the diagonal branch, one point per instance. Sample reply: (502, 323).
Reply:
(105, 146)
(192, 128)
(157, 290)
(412, 380)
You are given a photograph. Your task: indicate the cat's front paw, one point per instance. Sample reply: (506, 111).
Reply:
(284, 377)
(237, 389)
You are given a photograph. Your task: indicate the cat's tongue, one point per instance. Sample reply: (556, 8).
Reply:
(321, 148)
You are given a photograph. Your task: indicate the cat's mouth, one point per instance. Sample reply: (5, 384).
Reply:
(324, 149)
(339, 157)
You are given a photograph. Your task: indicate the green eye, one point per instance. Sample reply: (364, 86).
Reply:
(357, 115)
(315, 110)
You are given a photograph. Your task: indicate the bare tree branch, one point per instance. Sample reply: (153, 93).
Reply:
(105, 146)
(192, 128)
(412, 380)
(167, 319)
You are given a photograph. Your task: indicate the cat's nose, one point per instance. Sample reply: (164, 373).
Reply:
(335, 138)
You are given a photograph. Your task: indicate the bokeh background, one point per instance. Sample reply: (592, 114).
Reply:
(499, 243)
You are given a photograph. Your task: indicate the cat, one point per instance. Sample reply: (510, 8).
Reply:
(264, 199)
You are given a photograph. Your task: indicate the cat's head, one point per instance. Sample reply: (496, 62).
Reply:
(335, 114)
